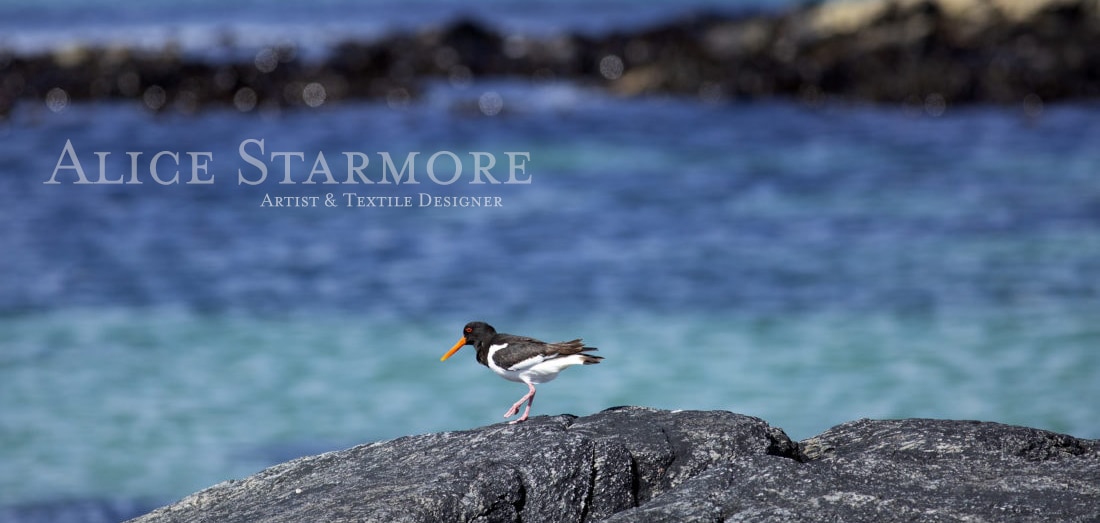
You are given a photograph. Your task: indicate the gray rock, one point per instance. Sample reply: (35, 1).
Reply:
(558, 468)
(899, 470)
(640, 464)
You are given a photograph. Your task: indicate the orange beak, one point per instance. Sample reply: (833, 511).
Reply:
(454, 349)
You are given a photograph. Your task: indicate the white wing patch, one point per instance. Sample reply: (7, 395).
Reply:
(537, 369)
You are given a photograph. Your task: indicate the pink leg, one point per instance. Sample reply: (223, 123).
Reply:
(526, 411)
(529, 398)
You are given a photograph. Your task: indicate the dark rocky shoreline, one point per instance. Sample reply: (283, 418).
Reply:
(925, 52)
(641, 464)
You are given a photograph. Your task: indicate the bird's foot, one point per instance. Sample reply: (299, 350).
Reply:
(515, 408)
(518, 420)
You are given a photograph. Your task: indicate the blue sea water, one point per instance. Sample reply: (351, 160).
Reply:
(805, 264)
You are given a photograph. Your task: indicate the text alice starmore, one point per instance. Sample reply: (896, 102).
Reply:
(164, 167)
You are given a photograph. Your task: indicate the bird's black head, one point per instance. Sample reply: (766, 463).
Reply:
(472, 333)
(477, 330)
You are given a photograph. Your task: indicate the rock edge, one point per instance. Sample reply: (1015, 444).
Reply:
(643, 464)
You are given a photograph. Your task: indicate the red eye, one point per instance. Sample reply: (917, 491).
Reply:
(469, 329)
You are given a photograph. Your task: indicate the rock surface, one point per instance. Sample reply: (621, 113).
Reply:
(640, 464)
(899, 470)
(922, 52)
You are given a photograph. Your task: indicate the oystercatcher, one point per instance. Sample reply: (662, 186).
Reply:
(521, 359)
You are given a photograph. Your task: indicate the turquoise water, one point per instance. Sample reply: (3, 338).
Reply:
(156, 404)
